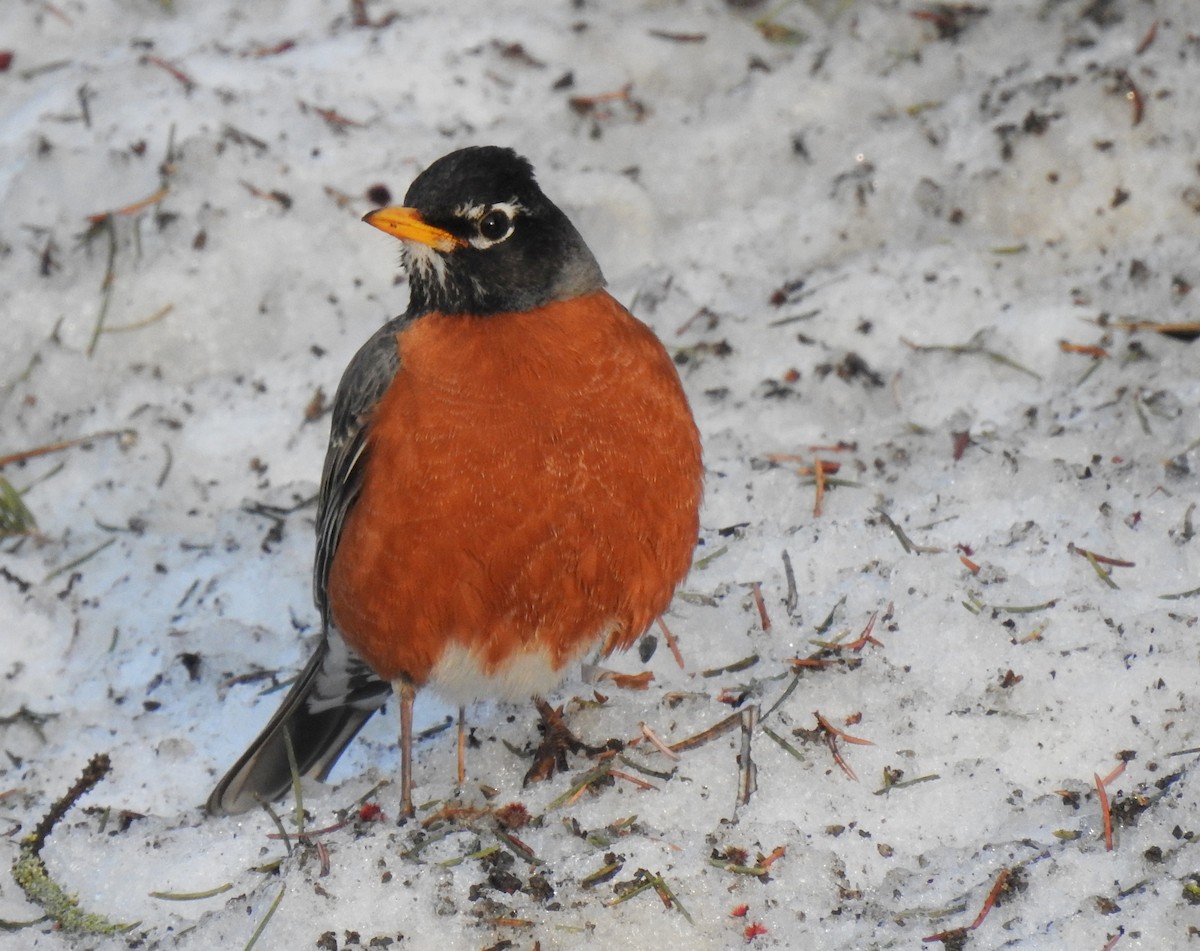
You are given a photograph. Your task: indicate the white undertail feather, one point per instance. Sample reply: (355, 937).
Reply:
(460, 677)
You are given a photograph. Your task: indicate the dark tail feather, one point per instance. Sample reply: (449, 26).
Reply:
(334, 696)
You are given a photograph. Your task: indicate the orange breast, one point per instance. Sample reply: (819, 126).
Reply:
(532, 488)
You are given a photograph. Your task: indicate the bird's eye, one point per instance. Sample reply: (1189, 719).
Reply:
(495, 225)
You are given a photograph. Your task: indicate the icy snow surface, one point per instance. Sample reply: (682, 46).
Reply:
(802, 207)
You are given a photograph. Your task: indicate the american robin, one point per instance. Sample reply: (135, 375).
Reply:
(513, 477)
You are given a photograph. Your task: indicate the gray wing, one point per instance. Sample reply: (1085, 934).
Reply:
(363, 384)
(337, 692)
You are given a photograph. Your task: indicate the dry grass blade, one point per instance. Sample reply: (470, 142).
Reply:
(784, 743)
(262, 925)
(973, 347)
(644, 881)
(192, 896)
(792, 598)
(78, 561)
(110, 278)
(1180, 595)
(736, 667)
(297, 791)
(1105, 576)
(144, 322)
(702, 563)
(591, 776)
(905, 542)
(603, 874)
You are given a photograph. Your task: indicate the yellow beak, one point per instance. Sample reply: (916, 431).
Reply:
(408, 225)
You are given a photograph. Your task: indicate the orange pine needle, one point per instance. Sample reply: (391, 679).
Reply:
(658, 742)
(777, 853)
(821, 466)
(1083, 348)
(587, 103)
(954, 934)
(334, 119)
(281, 47)
(640, 783)
(819, 477)
(842, 734)
(1147, 40)
(990, 901)
(840, 446)
(671, 642)
(577, 795)
(1105, 811)
(971, 566)
(174, 71)
(831, 742)
(129, 209)
(865, 637)
(1117, 771)
(809, 662)
(764, 619)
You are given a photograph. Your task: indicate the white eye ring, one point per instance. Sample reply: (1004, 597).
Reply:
(493, 223)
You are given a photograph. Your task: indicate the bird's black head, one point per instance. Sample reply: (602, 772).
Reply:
(480, 238)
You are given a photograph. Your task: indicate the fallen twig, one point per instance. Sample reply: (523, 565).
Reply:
(126, 436)
(747, 771)
(31, 874)
(909, 546)
(714, 731)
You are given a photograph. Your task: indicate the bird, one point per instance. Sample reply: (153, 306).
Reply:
(513, 479)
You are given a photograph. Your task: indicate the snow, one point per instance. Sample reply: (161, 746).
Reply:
(992, 188)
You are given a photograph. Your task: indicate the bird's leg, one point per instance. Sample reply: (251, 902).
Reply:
(407, 693)
(462, 747)
(557, 741)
